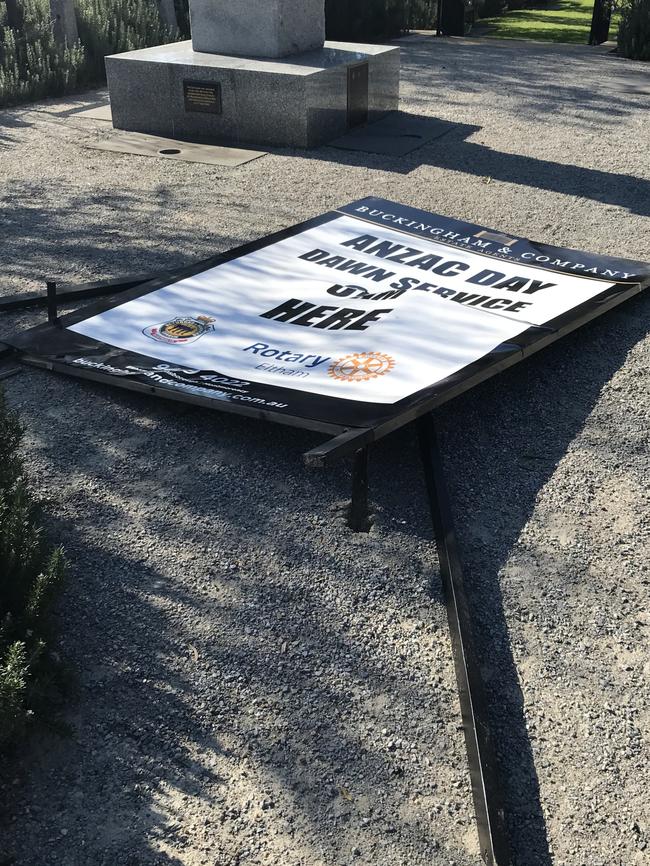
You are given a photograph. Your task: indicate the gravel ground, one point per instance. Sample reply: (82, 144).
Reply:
(256, 684)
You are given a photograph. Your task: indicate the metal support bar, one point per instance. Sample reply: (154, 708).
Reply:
(358, 516)
(75, 292)
(341, 445)
(346, 443)
(5, 374)
(52, 311)
(490, 818)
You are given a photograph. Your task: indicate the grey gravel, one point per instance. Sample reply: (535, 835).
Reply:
(256, 684)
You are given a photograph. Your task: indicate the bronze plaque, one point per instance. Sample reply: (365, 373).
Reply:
(358, 94)
(202, 96)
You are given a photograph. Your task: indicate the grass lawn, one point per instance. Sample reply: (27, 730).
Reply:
(561, 21)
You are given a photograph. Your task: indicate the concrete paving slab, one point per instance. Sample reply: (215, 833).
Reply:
(100, 112)
(394, 135)
(169, 148)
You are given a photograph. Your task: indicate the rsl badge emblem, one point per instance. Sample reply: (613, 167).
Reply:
(183, 329)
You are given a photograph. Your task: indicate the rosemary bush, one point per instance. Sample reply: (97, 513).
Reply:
(34, 66)
(30, 574)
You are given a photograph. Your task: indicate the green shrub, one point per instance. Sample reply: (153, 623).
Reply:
(113, 26)
(371, 20)
(30, 574)
(32, 65)
(421, 14)
(490, 8)
(634, 30)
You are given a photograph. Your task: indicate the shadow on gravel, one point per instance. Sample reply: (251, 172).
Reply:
(502, 444)
(603, 87)
(453, 152)
(219, 697)
(8, 123)
(237, 700)
(114, 238)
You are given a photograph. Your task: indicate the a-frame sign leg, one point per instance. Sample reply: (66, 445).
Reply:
(358, 515)
(52, 303)
(493, 838)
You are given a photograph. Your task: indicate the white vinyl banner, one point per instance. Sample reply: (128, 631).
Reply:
(348, 309)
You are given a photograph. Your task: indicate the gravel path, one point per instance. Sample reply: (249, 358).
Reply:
(257, 685)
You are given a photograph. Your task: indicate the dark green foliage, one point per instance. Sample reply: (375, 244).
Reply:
(33, 66)
(10, 435)
(422, 14)
(30, 574)
(489, 8)
(371, 20)
(14, 672)
(634, 30)
(113, 26)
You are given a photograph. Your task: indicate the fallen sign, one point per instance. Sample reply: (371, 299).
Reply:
(361, 319)
(354, 324)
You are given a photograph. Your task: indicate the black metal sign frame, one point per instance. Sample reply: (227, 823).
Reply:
(354, 429)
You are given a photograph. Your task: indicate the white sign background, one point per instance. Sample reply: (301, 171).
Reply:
(427, 336)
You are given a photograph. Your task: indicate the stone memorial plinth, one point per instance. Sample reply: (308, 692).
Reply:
(257, 28)
(257, 72)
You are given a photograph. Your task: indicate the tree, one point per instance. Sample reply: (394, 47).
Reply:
(600, 22)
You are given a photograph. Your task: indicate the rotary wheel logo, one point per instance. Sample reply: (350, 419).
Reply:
(361, 366)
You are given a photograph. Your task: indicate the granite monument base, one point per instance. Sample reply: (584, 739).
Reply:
(298, 101)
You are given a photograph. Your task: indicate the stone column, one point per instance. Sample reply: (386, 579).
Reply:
(257, 28)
